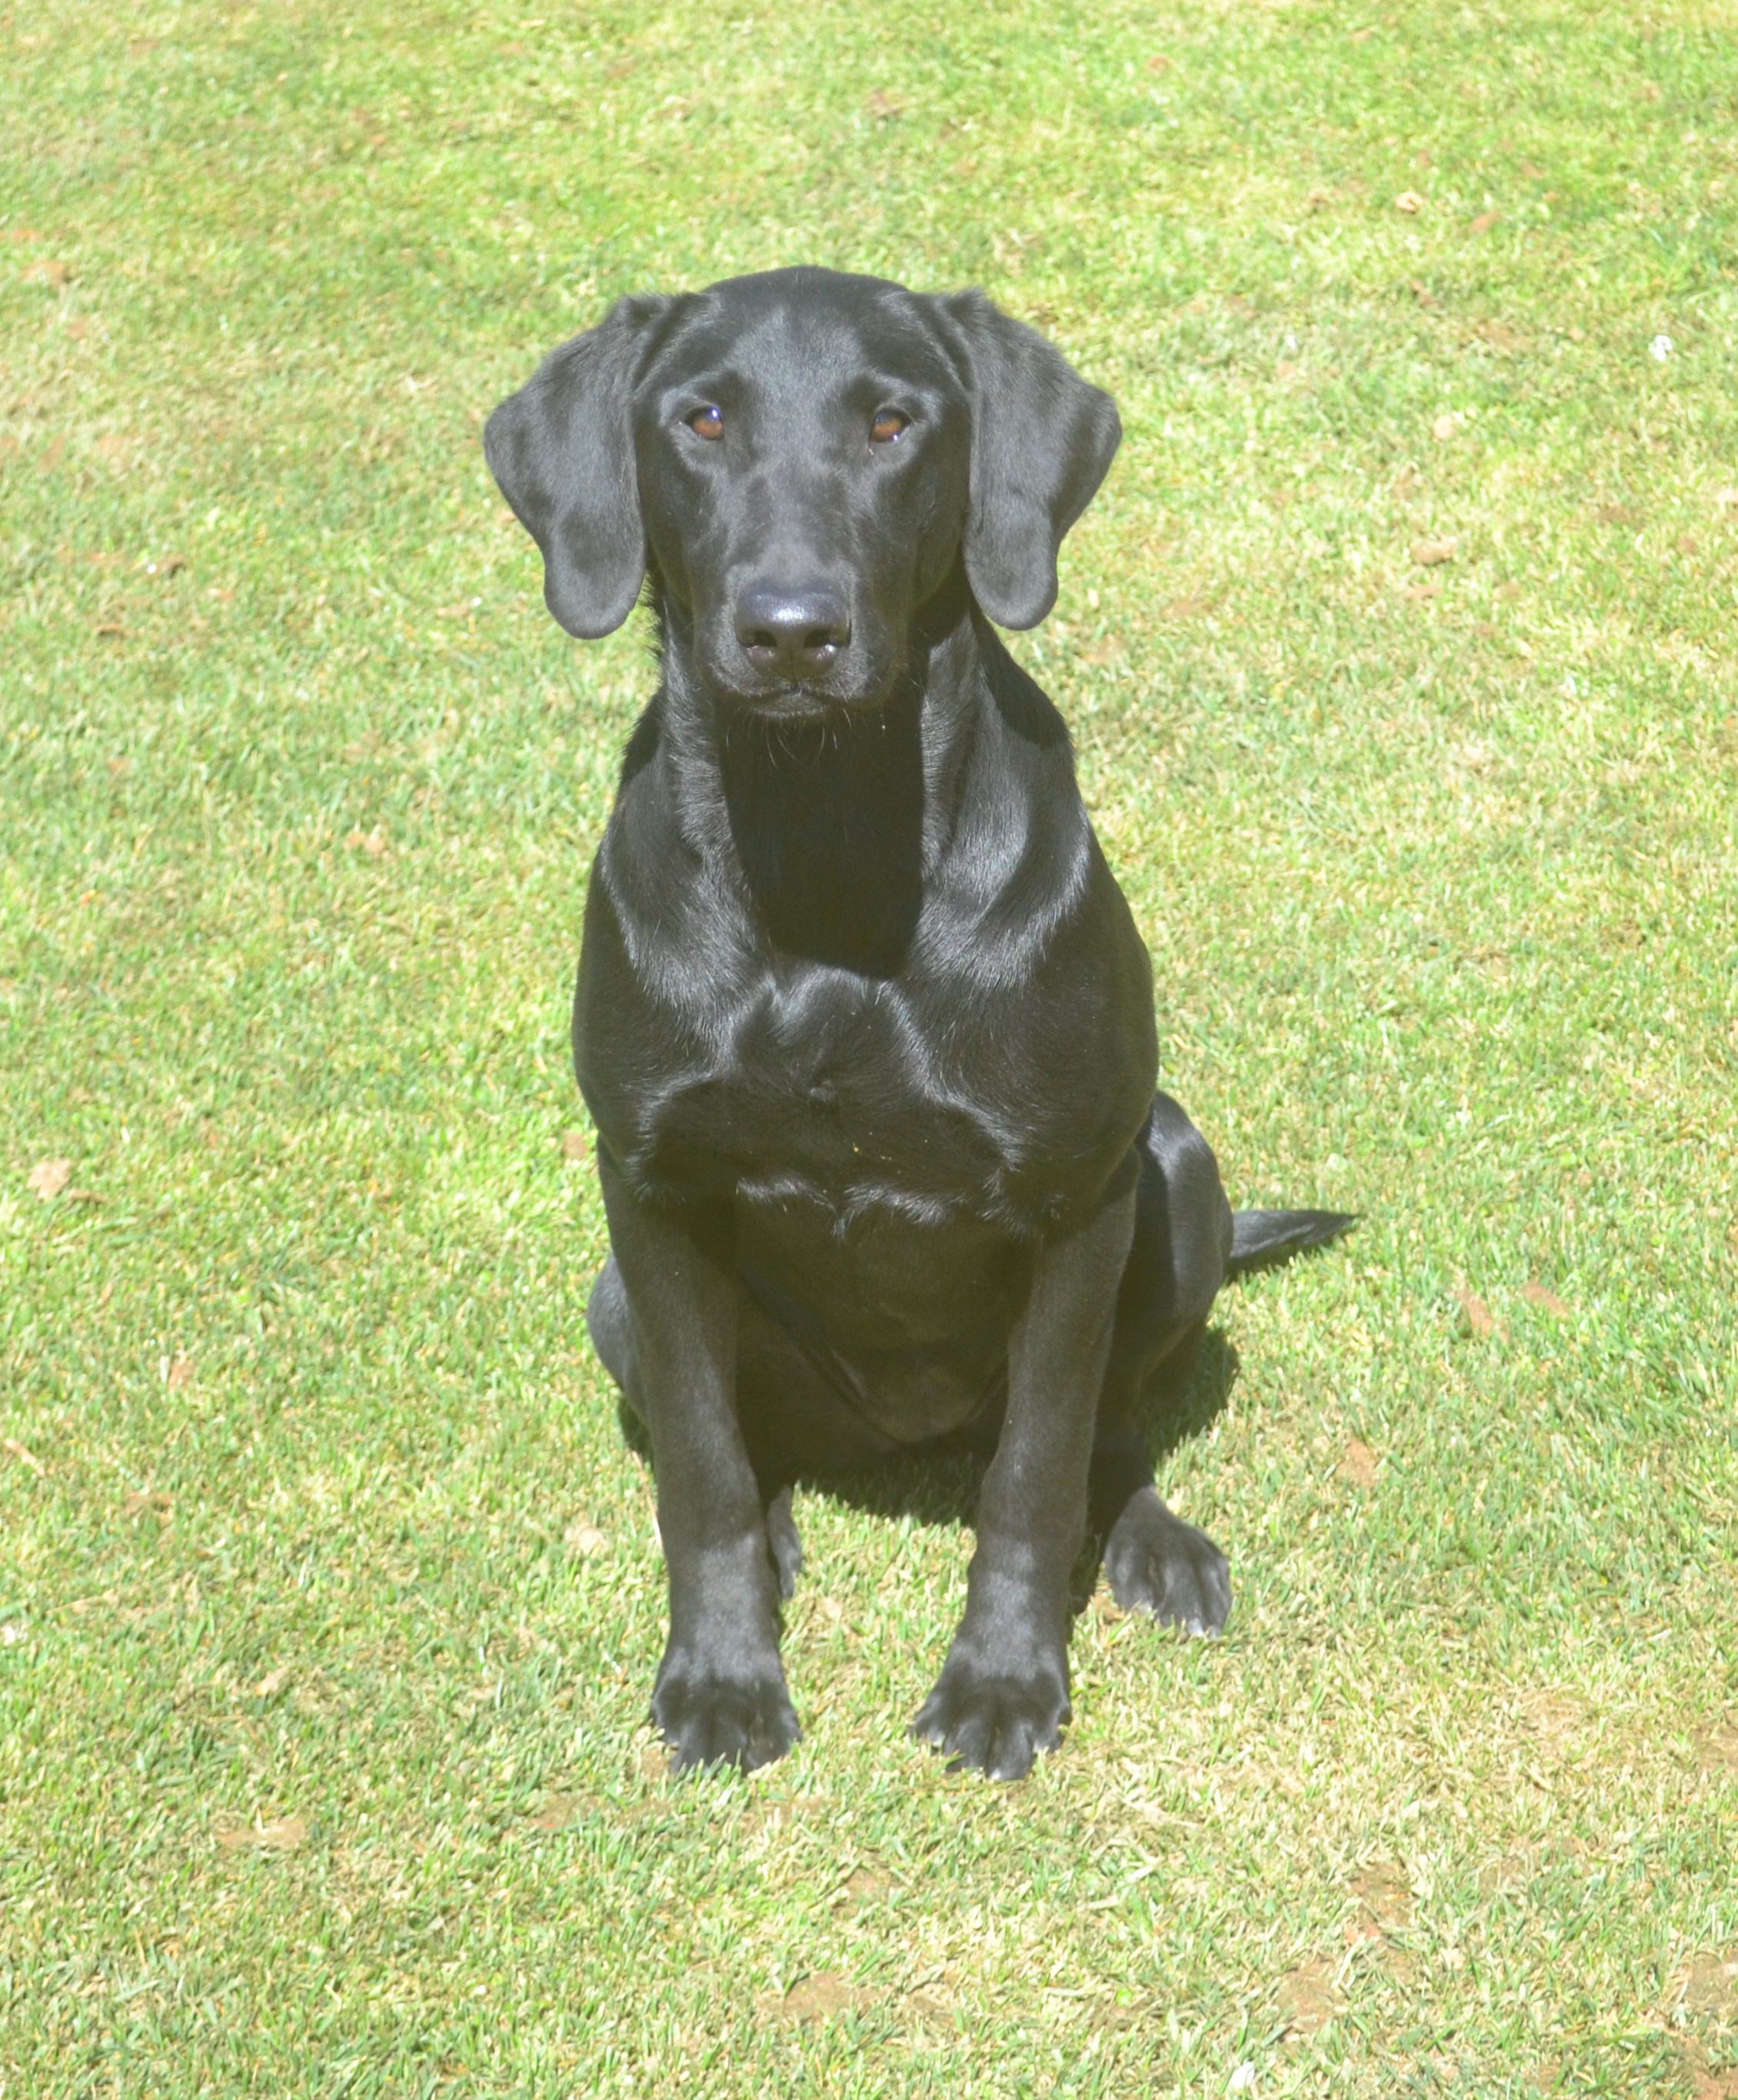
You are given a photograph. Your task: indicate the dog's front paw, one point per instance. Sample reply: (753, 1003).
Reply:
(1157, 1563)
(992, 1723)
(709, 1720)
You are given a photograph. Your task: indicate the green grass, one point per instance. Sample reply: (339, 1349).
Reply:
(324, 1767)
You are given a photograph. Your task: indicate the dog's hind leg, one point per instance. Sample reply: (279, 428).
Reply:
(794, 1423)
(784, 1542)
(1181, 1256)
(609, 1318)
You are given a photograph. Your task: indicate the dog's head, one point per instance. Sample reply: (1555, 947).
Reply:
(801, 457)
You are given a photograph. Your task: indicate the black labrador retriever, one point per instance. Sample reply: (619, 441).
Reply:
(862, 1018)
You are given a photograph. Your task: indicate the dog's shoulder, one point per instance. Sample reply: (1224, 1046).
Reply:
(1024, 901)
(1031, 717)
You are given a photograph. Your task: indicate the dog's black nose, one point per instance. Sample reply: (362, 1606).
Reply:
(792, 633)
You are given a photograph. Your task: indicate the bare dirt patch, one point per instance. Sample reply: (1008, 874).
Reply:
(1309, 1999)
(1385, 1901)
(826, 1995)
(284, 1833)
(1709, 1987)
(1358, 1463)
(1716, 1748)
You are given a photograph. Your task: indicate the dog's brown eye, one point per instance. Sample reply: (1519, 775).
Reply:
(708, 423)
(887, 426)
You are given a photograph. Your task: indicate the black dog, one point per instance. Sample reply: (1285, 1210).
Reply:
(862, 1018)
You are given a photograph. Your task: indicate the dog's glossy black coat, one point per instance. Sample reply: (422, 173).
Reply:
(862, 1017)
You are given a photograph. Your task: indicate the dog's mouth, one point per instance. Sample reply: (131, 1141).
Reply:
(802, 701)
(807, 700)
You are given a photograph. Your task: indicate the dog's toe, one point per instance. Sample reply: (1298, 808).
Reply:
(712, 1722)
(1157, 1563)
(994, 1724)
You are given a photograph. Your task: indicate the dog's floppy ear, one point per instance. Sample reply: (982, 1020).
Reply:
(562, 449)
(1041, 441)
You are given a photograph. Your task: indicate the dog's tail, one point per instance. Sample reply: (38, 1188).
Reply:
(1262, 1239)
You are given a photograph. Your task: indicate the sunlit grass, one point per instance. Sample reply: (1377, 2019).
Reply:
(329, 1596)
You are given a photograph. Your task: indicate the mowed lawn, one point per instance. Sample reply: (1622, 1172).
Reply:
(1399, 651)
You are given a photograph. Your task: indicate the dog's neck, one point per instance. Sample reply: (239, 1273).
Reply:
(832, 823)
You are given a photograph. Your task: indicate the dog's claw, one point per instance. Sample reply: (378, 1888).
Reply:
(994, 1724)
(1159, 1563)
(716, 1722)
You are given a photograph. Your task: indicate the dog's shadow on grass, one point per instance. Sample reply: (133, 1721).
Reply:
(941, 1484)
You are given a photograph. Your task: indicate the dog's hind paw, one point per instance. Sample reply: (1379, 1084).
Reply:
(1157, 1563)
(994, 1724)
(713, 1721)
(784, 1542)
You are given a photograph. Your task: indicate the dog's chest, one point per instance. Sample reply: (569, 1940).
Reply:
(827, 1089)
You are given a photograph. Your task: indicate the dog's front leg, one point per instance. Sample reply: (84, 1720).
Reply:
(1003, 1693)
(720, 1696)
